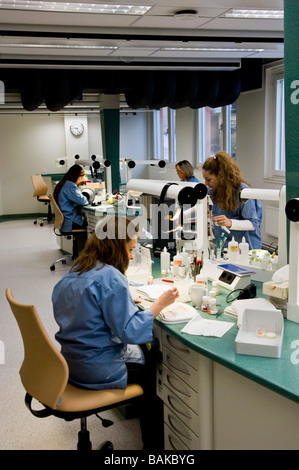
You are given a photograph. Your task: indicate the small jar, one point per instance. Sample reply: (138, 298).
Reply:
(213, 308)
(205, 306)
(215, 287)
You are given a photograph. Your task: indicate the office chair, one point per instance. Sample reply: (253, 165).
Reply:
(44, 374)
(40, 192)
(59, 233)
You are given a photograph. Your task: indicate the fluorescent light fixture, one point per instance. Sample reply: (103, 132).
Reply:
(255, 14)
(210, 49)
(74, 7)
(58, 46)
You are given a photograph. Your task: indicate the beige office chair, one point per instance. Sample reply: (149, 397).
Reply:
(40, 192)
(44, 375)
(59, 233)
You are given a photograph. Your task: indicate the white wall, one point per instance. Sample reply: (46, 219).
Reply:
(29, 145)
(251, 148)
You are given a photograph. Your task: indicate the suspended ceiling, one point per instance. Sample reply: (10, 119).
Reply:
(159, 39)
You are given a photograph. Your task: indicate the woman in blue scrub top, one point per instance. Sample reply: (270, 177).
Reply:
(69, 199)
(100, 326)
(185, 171)
(223, 177)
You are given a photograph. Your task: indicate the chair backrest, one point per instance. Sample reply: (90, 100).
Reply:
(44, 371)
(40, 187)
(58, 214)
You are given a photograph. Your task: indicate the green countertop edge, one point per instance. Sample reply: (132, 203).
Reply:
(273, 373)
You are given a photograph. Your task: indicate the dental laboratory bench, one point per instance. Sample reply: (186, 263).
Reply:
(215, 397)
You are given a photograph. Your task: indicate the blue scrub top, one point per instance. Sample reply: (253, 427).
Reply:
(193, 179)
(250, 210)
(97, 318)
(70, 197)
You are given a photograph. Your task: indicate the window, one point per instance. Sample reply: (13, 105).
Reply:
(164, 134)
(274, 124)
(279, 128)
(216, 130)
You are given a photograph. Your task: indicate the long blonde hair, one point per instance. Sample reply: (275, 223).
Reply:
(109, 250)
(229, 178)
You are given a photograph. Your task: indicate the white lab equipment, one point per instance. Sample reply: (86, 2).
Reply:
(185, 194)
(272, 195)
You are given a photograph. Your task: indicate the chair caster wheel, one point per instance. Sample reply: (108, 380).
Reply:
(107, 446)
(52, 267)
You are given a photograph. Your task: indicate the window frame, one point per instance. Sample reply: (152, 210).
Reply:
(200, 134)
(272, 75)
(171, 157)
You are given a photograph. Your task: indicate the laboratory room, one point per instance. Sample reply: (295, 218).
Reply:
(149, 212)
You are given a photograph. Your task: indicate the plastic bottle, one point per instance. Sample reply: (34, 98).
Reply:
(244, 251)
(185, 259)
(177, 262)
(233, 250)
(165, 261)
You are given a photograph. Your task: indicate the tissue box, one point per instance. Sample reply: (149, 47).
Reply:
(274, 289)
(261, 333)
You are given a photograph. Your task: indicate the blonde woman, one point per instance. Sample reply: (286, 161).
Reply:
(185, 171)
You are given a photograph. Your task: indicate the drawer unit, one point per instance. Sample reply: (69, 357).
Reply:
(179, 387)
(91, 221)
(181, 368)
(171, 441)
(185, 353)
(178, 406)
(185, 385)
(179, 428)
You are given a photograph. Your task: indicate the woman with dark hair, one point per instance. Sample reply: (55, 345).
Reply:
(185, 171)
(100, 326)
(223, 177)
(70, 199)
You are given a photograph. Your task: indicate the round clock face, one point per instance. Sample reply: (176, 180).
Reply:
(77, 128)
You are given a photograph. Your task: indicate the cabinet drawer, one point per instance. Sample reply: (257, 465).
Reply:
(171, 441)
(185, 353)
(180, 368)
(177, 395)
(179, 428)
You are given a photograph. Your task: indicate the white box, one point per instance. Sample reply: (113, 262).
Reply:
(250, 339)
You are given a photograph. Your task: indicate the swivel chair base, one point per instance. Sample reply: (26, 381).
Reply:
(63, 260)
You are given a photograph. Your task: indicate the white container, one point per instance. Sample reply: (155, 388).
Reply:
(261, 333)
(197, 292)
(233, 250)
(165, 261)
(244, 251)
(201, 279)
(185, 259)
(177, 262)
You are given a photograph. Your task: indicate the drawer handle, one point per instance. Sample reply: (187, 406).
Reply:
(176, 388)
(175, 367)
(169, 339)
(172, 443)
(176, 429)
(176, 409)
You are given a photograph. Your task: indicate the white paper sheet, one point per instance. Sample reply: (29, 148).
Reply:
(203, 327)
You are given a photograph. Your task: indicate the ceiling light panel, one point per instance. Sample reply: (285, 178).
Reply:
(74, 7)
(255, 14)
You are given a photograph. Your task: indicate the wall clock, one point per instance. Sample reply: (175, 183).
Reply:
(77, 128)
